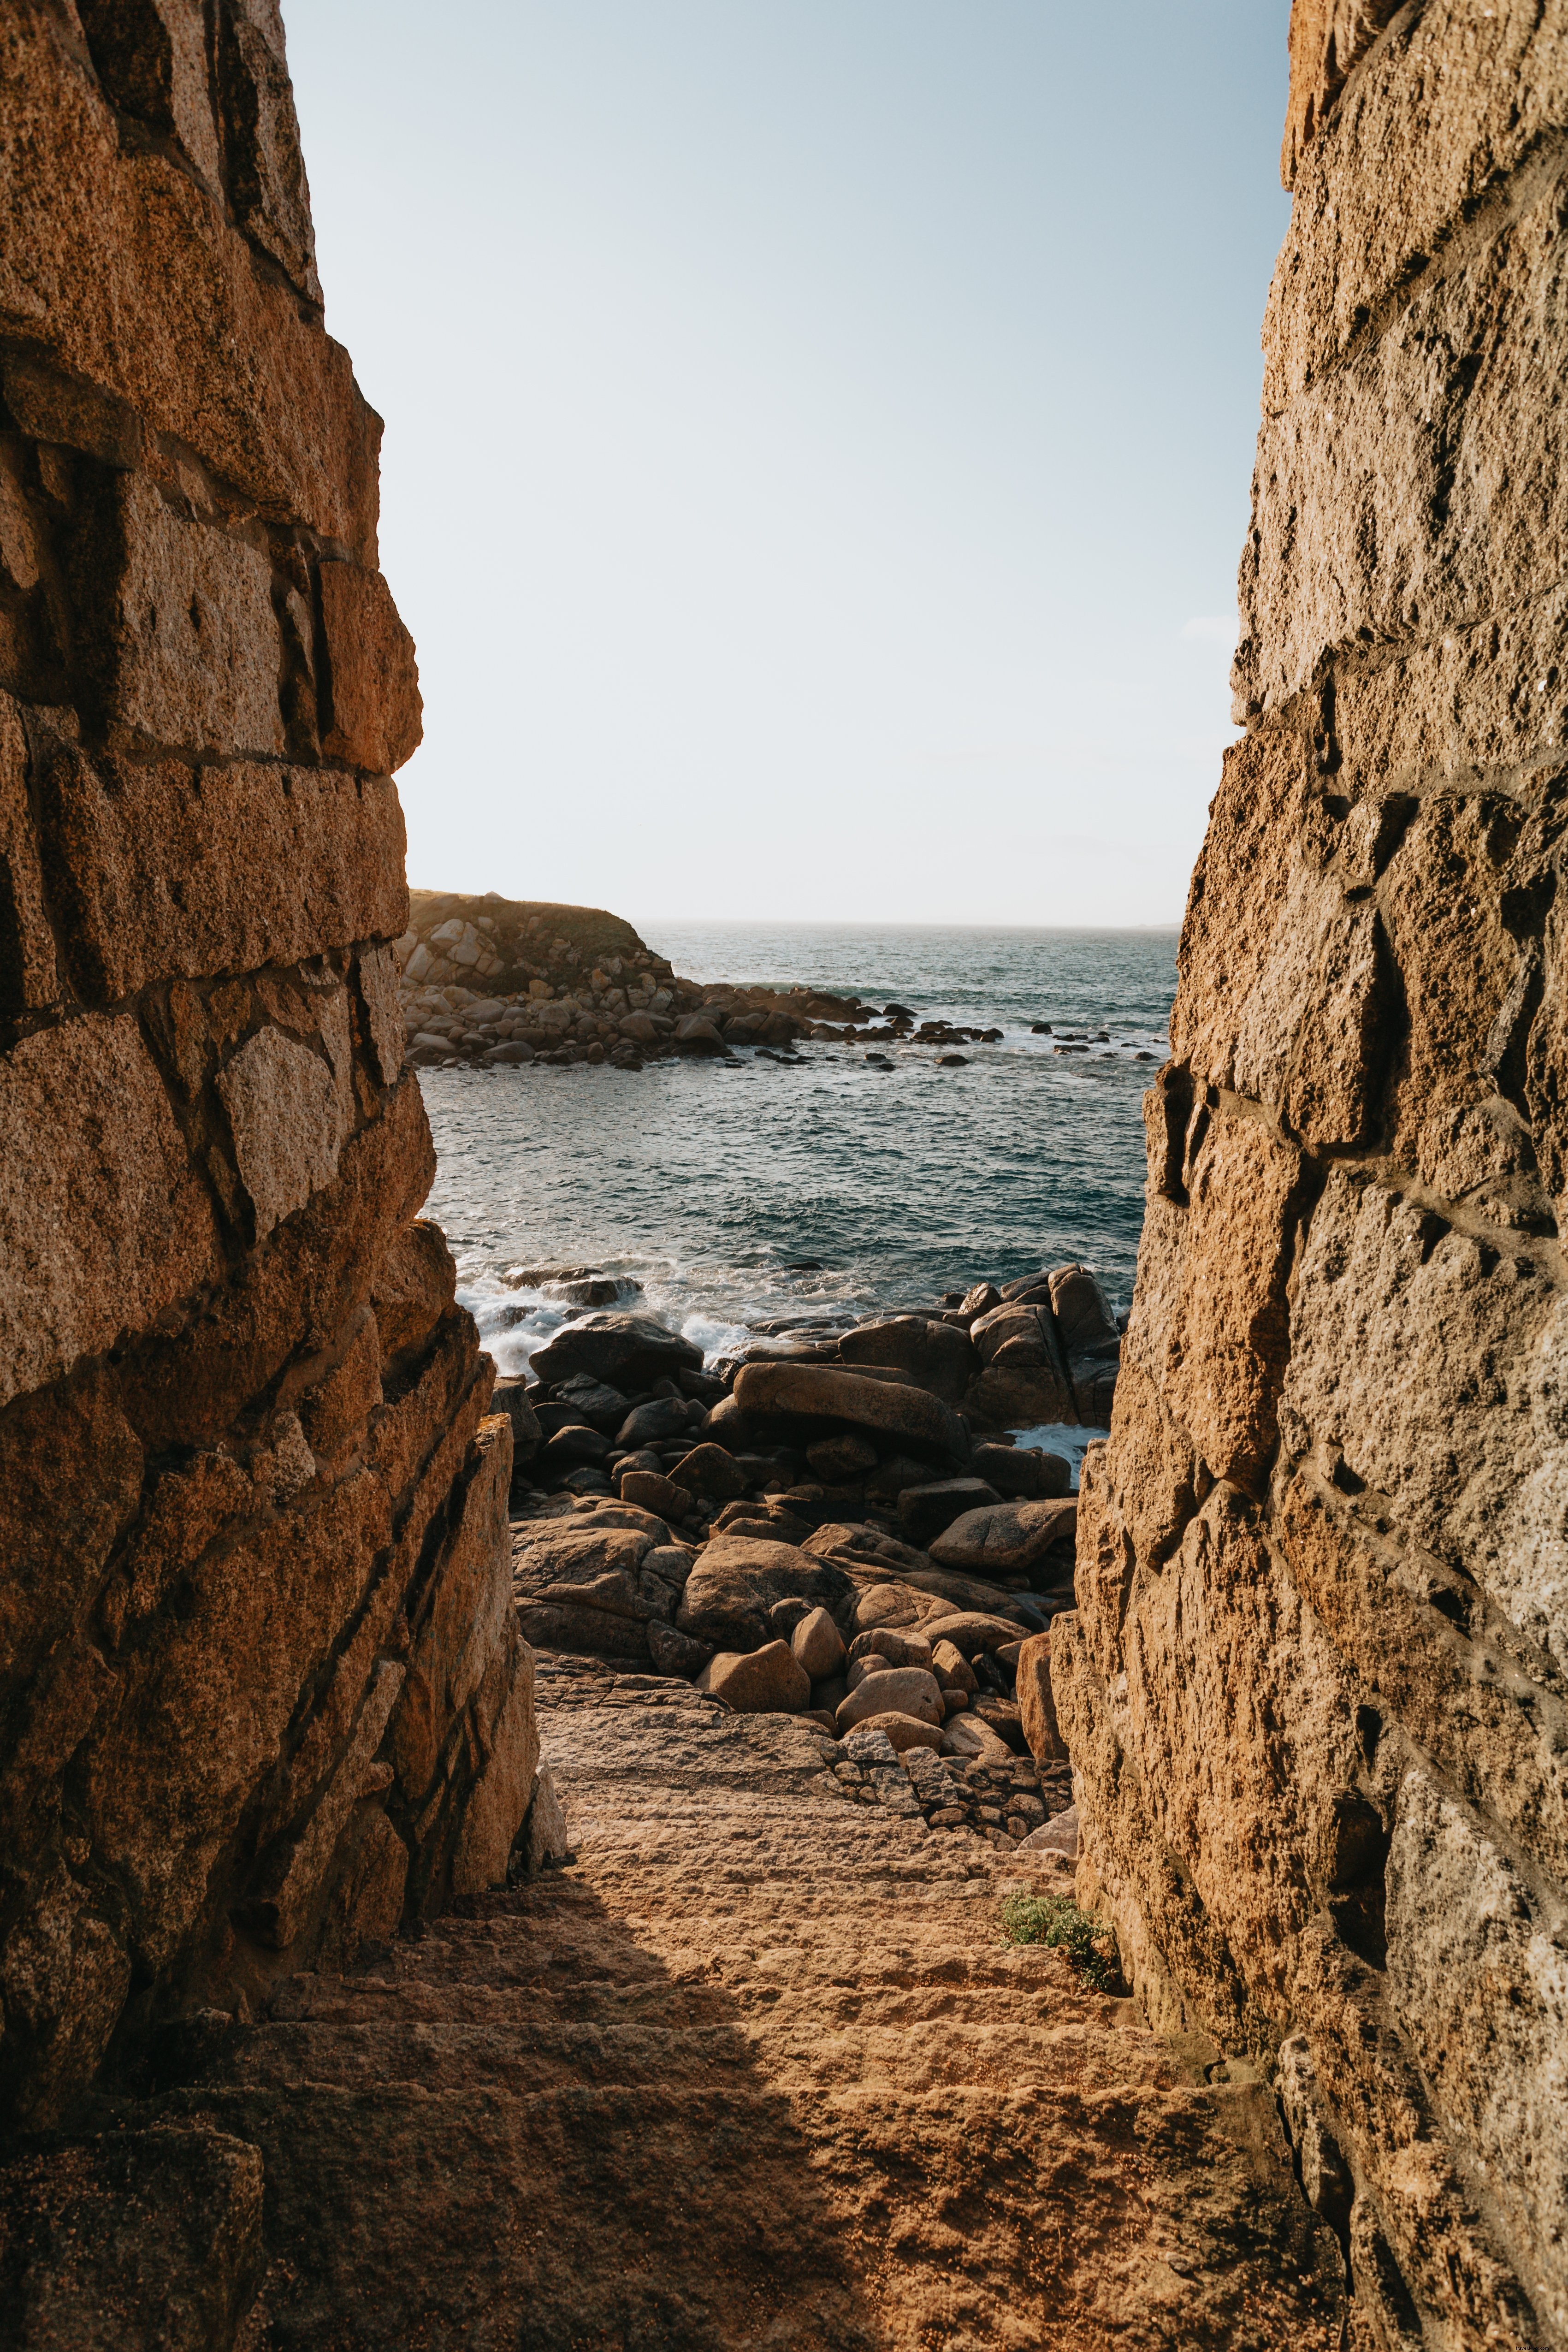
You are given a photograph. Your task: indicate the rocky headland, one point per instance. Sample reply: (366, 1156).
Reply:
(495, 983)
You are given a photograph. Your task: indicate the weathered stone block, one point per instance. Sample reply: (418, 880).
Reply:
(376, 710)
(1432, 1364)
(29, 978)
(1226, 1342)
(1424, 488)
(133, 2238)
(205, 1697)
(187, 650)
(265, 168)
(163, 868)
(289, 1118)
(151, 60)
(1448, 109)
(103, 1222)
(122, 270)
(1478, 1981)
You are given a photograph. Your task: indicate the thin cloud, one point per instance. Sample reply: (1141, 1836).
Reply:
(1211, 628)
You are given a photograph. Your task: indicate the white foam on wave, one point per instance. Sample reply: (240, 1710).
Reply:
(1063, 1437)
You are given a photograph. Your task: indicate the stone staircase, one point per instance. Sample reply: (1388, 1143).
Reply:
(754, 2069)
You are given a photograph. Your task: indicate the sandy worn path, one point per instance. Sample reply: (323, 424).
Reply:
(755, 2070)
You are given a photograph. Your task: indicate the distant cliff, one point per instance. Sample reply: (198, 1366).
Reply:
(1316, 1690)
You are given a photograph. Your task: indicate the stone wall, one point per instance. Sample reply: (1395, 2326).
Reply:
(261, 1690)
(1316, 1689)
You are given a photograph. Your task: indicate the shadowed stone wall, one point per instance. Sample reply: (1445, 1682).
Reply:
(1315, 1688)
(261, 1689)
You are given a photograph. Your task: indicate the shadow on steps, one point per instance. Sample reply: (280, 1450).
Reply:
(520, 2131)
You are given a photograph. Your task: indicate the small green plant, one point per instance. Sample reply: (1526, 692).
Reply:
(1053, 1919)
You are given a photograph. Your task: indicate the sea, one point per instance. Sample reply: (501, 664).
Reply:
(762, 1193)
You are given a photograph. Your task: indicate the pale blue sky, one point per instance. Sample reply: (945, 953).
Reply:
(818, 435)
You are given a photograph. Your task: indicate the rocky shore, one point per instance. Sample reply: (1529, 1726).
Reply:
(496, 984)
(835, 1523)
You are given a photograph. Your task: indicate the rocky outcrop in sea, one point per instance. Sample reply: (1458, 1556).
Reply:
(493, 983)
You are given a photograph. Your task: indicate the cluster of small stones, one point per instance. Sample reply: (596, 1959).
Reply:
(961, 1796)
(1001, 1804)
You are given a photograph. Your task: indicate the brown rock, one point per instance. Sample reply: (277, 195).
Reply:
(906, 1648)
(255, 1523)
(899, 1690)
(189, 646)
(585, 1633)
(738, 1580)
(709, 1471)
(935, 1355)
(1006, 1539)
(103, 1222)
(926, 1510)
(965, 1734)
(902, 1731)
(511, 1397)
(822, 1393)
(627, 1352)
(675, 1654)
(838, 1460)
(769, 1681)
(818, 1643)
(952, 1669)
(108, 823)
(376, 720)
(1004, 1718)
(1023, 1473)
(651, 1492)
(1036, 1707)
(414, 1287)
(133, 2236)
(288, 1113)
(969, 1631)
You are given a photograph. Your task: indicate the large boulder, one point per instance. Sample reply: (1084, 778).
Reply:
(897, 1690)
(675, 1654)
(710, 1470)
(1024, 1378)
(1089, 1342)
(970, 1632)
(583, 1632)
(736, 1582)
(651, 1423)
(905, 1649)
(1023, 1473)
(1009, 1396)
(1008, 1539)
(936, 1356)
(889, 1409)
(1037, 1706)
(625, 1351)
(653, 1492)
(552, 1553)
(967, 1736)
(818, 1643)
(904, 1731)
(769, 1681)
(924, 1511)
(511, 1397)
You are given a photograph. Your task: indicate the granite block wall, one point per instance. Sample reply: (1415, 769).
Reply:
(262, 1695)
(1316, 1690)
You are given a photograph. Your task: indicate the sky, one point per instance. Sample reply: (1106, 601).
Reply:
(818, 436)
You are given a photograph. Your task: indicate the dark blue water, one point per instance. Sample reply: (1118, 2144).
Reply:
(703, 1181)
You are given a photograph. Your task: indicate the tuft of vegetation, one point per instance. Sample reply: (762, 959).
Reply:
(1053, 1919)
